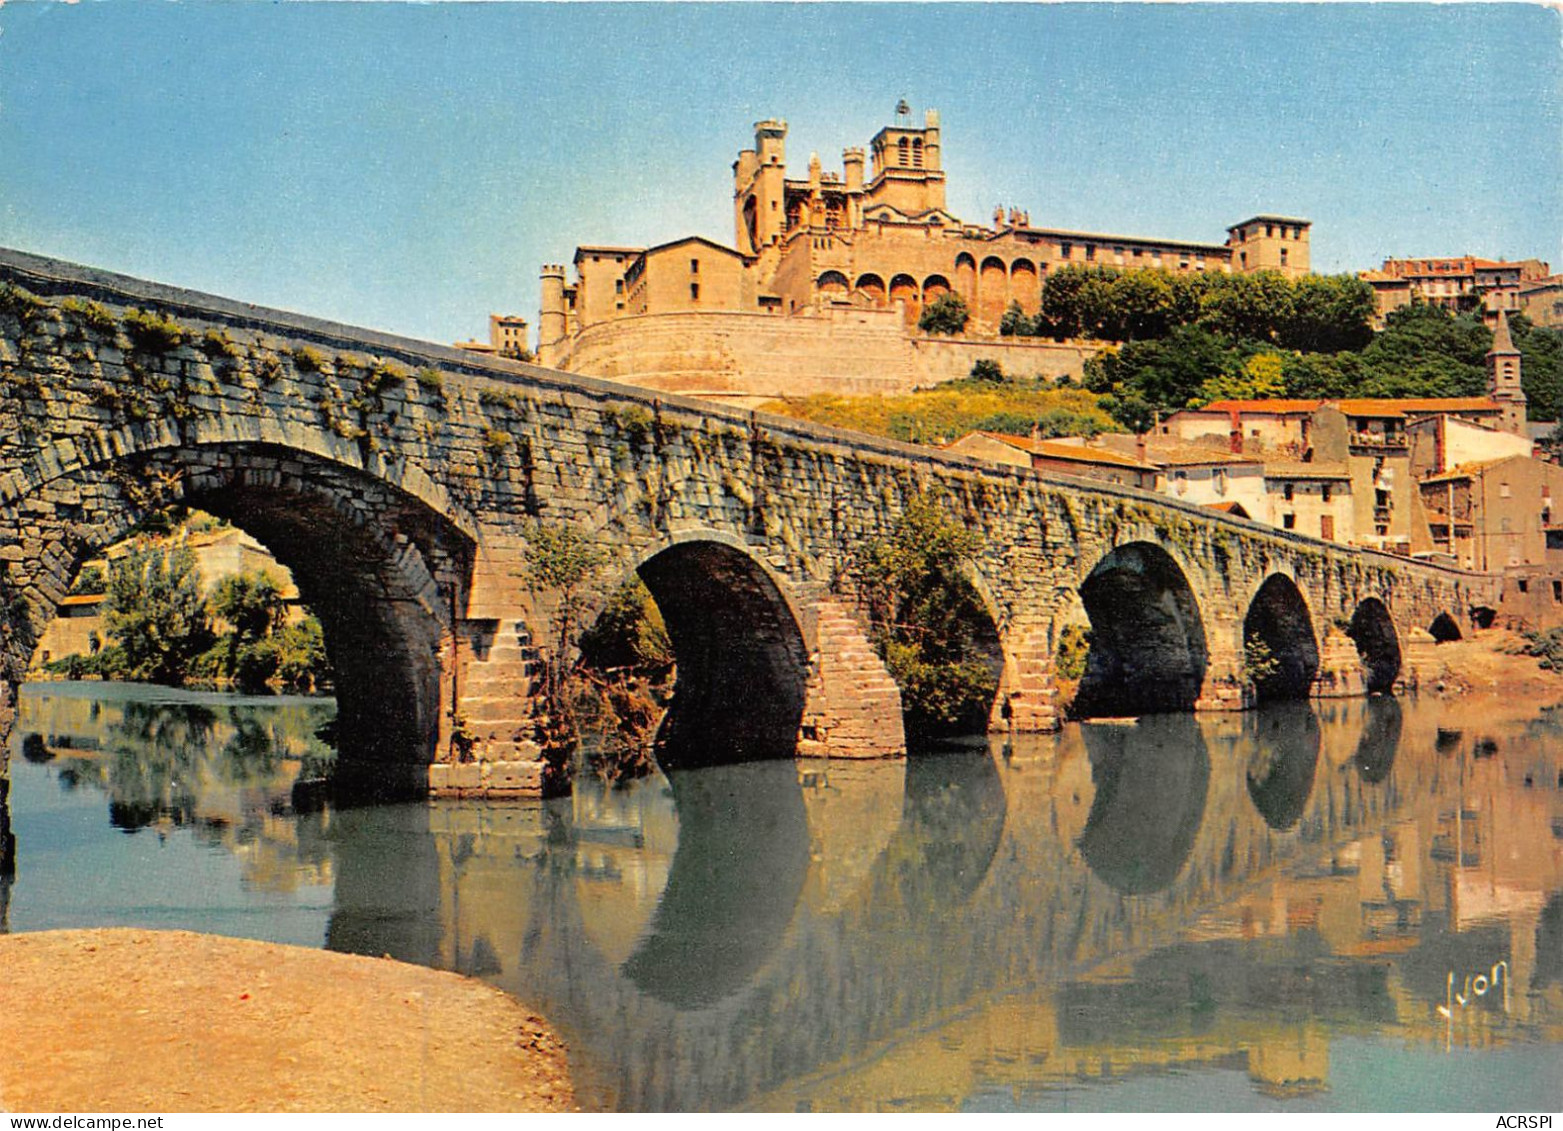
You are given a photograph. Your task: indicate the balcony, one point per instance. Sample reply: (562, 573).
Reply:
(1379, 441)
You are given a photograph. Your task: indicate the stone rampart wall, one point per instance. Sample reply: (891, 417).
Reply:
(751, 357)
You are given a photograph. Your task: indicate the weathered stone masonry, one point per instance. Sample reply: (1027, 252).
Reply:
(399, 480)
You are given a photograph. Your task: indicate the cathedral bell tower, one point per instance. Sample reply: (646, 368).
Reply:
(1503, 377)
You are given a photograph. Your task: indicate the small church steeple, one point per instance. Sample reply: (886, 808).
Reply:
(1503, 377)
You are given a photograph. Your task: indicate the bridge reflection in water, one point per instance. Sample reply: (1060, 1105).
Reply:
(1230, 895)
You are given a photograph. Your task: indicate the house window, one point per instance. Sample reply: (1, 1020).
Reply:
(618, 286)
(1283, 257)
(1503, 490)
(1090, 252)
(1325, 491)
(1557, 591)
(1287, 492)
(694, 266)
(694, 291)
(1524, 584)
(1289, 522)
(1065, 249)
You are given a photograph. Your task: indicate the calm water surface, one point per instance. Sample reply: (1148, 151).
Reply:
(1249, 912)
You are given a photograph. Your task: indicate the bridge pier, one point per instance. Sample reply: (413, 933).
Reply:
(852, 706)
(1027, 702)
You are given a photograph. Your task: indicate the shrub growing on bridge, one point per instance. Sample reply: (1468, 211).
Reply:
(927, 620)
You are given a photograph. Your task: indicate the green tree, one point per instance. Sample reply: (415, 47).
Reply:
(1425, 351)
(302, 661)
(1141, 304)
(988, 371)
(927, 619)
(559, 565)
(1329, 313)
(156, 613)
(946, 314)
(1248, 307)
(251, 603)
(629, 634)
(1014, 321)
(1064, 302)
(91, 581)
(1322, 375)
(1541, 367)
(1167, 374)
(1261, 376)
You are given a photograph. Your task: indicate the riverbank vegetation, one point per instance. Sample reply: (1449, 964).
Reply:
(161, 624)
(611, 688)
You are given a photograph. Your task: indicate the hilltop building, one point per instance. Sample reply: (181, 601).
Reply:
(507, 337)
(1541, 300)
(1457, 283)
(841, 265)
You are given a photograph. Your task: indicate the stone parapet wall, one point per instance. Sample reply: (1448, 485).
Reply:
(751, 357)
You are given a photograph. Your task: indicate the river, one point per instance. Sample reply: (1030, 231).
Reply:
(1352, 905)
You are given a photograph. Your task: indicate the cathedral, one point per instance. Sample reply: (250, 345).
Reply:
(875, 235)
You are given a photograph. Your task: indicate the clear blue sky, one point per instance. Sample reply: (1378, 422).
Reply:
(408, 167)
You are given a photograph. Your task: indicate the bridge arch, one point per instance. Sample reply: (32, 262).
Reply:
(1148, 648)
(1444, 629)
(1278, 634)
(1372, 630)
(741, 655)
(382, 569)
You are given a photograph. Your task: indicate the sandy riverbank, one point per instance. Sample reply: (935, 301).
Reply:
(135, 1020)
(1491, 662)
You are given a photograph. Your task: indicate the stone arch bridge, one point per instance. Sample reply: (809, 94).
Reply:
(400, 482)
